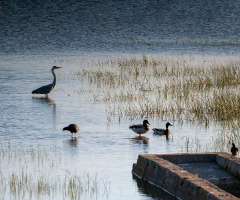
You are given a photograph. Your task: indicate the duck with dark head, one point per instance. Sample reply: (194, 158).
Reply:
(234, 149)
(140, 128)
(160, 131)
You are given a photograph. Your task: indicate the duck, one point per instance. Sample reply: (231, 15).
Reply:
(163, 131)
(141, 128)
(73, 128)
(234, 149)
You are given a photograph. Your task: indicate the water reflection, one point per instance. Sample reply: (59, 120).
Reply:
(140, 140)
(47, 101)
(73, 142)
(160, 134)
(44, 100)
(71, 147)
(151, 190)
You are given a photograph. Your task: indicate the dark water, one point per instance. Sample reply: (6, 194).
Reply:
(119, 26)
(37, 35)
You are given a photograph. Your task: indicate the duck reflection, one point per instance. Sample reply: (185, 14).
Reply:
(73, 142)
(140, 140)
(157, 135)
(151, 190)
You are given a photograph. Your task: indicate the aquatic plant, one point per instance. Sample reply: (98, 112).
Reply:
(33, 173)
(173, 88)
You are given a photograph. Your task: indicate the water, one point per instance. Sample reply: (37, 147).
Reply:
(106, 26)
(36, 36)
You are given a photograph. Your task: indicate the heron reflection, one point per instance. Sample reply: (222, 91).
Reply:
(47, 101)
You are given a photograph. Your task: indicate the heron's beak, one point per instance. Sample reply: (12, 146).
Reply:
(58, 67)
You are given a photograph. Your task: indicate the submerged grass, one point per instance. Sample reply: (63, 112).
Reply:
(36, 174)
(173, 88)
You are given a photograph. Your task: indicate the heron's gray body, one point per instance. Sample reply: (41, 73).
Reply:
(47, 88)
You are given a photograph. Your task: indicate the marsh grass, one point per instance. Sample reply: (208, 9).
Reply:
(199, 90)
(37, 174)
(173, 88)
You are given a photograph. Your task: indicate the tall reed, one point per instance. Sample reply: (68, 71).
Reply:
(173, 88)
(34, 173)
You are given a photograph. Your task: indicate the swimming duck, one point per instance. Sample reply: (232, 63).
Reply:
(140, 128)
(163, 131)
(234, 149)
(73, 128)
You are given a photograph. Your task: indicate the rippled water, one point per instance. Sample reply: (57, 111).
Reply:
(36, 36)
(116, 26)
(106, 147)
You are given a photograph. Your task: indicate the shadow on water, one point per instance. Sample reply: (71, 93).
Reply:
(73, 142)
(162, 135)
(167, 137)
(47, 101)
(151, 190)
(139, 140)
(71, 146)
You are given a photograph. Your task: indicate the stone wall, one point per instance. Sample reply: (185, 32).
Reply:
(163, 172)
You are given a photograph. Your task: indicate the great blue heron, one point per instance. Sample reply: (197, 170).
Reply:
(73, 128)
(140, 128)
(47, 88)
(163, 131)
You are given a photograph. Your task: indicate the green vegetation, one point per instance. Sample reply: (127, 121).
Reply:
(36, 174)
(180, 88)
(172, 88)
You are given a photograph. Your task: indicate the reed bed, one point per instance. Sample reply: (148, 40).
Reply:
(172, 88)
(198, 90)
(37, 174)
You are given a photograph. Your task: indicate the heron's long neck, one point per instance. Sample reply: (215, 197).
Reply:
(54, 78)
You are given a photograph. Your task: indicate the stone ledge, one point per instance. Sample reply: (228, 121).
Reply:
(163, 171)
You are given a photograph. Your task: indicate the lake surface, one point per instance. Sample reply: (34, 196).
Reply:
(36, 36)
